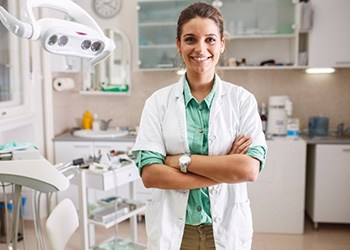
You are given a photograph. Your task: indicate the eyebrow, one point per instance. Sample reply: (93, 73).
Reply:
(190, 34)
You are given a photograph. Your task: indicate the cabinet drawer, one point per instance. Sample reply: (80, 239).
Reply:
(112, 179)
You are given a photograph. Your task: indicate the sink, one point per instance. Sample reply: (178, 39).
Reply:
(110, 133)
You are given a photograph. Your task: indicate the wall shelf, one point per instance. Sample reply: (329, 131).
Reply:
(103, 93)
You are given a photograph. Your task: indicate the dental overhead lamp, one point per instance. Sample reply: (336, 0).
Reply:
(81, 37)
(217, 4)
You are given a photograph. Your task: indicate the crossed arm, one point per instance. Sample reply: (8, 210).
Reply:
(204, 170)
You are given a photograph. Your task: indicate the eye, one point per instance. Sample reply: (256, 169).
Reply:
(189, 39)
(211, 40)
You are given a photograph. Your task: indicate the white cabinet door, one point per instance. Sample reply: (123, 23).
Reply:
(330, 36)
(328, 198)
(68, 151)
(277, 197)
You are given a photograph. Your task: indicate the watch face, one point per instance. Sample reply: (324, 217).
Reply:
(106, 8)
(185, 159)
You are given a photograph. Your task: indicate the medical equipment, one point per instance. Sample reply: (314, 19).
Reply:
(280, 108)
(81, 37)
(28, 168)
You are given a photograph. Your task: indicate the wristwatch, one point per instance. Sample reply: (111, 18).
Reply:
(184, 161)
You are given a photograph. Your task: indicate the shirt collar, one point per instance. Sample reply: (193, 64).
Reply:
(188, 95)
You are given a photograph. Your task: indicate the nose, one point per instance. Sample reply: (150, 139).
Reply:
(200, 46)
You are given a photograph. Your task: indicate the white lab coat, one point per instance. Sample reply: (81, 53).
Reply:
(163, 130)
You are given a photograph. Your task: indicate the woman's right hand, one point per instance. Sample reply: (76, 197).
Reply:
(241, 144)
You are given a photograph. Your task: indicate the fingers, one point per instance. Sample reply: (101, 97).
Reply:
(241, 144)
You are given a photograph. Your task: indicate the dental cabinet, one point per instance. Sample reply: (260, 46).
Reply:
(109, 216)
(98, 186)
(328, 185)
(260, 31)
(277, 197)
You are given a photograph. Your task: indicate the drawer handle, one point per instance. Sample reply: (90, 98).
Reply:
(346, 150)
(103, 146)
(81, 146)
(342, 63)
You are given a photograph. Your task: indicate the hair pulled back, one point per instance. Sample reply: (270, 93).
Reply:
(202, 10)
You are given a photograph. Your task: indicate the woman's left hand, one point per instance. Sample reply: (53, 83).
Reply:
(241, 144)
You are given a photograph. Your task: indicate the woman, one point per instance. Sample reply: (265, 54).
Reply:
(189, 147)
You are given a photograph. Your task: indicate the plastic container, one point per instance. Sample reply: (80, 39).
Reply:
(293, 128)
(318, 126)
(3, 225)
(87, 120)
(96, 123)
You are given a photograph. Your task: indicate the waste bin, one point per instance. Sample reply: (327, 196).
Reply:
(3, 225)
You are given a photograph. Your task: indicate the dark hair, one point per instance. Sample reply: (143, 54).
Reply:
(203, 10)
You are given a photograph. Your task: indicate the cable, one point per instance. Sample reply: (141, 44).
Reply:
(7, 215)
(37, 220)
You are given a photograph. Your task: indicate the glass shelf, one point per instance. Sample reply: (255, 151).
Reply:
(261, 36)
(260, 30)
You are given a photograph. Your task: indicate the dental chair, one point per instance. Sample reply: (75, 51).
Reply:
(61, 224)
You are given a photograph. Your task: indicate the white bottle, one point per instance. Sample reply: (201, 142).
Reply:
(96, 123)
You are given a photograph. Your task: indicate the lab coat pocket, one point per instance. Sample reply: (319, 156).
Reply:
(244, 225)
(241, 229)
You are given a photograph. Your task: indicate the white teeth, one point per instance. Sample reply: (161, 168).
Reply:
(200, 58)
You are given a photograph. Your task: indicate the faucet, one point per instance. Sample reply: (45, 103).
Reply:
(340, 129)
(105, 124)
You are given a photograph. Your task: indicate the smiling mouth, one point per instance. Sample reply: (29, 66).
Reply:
(200, 59)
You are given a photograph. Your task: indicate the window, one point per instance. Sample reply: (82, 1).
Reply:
(14, 70)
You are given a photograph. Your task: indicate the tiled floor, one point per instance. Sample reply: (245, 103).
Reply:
(326, 237)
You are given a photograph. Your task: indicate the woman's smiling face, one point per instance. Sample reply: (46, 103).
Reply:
(200, 45)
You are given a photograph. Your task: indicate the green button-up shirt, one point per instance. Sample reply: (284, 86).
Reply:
(197, 120)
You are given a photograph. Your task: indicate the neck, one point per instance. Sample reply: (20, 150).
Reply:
(200, 84)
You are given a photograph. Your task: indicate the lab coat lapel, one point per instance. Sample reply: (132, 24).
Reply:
(181, 114)
(174, 122)
(217, 102)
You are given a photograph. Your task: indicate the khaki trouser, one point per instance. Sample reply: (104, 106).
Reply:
(198, 238)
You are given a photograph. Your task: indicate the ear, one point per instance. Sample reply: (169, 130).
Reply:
(222, 45)
(178, 45)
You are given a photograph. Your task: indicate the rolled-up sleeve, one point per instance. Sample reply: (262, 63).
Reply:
(145, 157)
(259, 153)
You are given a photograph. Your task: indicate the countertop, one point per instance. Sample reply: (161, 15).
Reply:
(314, 140)
(69, 137)
(327, 140)
(131, 138)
